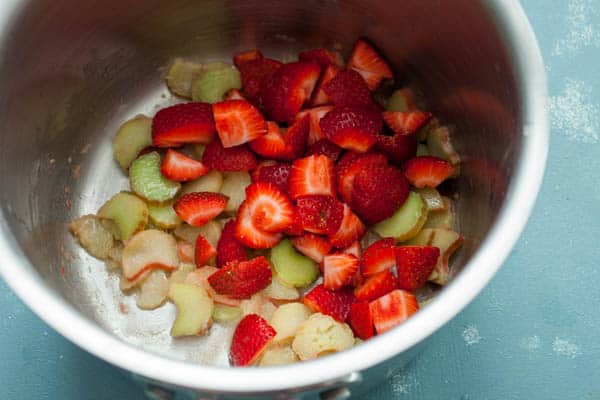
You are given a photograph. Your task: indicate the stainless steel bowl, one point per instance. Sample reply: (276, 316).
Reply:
(71, 72)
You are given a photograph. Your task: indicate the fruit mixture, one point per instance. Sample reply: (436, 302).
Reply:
(294, 200)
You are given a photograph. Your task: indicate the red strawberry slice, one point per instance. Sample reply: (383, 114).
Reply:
(415, 264)
(319, 97)
(351, 127)
(367, 61)
(240, 280)
(406, 123)
(321, 56)
(228, 248)
(378, 257)
(183, 123)
(392, 309)
(238, 122)
(271, 145)
(312, 246)
(295, 229)
(397, 148)
(350, 165)
(378, 192)
(326, 148)
(271, 209)
(329, 302)
(312, 175)
(296, 137)
(283, 95)
(427, 171)
(238, 158)
(254, 73)
(350, 229)
(179, 167)
(244, 57)
(355, 249)
(376, 286)
(251, 337)
(203, 251)
(338, 270)
(275, 173)
(360, 320)
(248, 234)
(314, 134)
(197, 208)
(319, 214)
(348, 88)
(234, 94)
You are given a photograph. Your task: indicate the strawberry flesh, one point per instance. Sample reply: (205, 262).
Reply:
(406, 123)
(427, 171)
(271, 209)
(238, 158)
(228, 248)
(321, 56)
(397, 148)
(244, 57)
(312, 246)
(183, 123)
(360, 320)
(197, 208)
(251, 337)
(314, 133)
(350, 230)
(178, 167)
(326, 148)
(352, 127)
(350, 165)
(367, 61)
(335, 303)
(203, 251)
(312, 175)
(319, 214)
(415, 264)
(240, 280)
(376, 286)
(272, 145)
(338, 270)
(248, 234)
(378, 257)
(254, 73)
(238, 122)
(276, 173)
(348, 88)
(392, 309)
(319, 97)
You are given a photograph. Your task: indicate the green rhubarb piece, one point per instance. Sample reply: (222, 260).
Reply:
(163, 215)
(215, 81)
(406, 222)
(447, 241)
(148, 182)
(432, 198)
(133, 136)
(210, 182)
(422, 150)
(223, 313)
(128, 211)
(181, 77)
(440, 145)
(293, 268)
(234, 187)
(400, 100)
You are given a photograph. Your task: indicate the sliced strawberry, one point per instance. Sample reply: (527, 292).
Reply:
(251, 337)
(271, 145)
(248, 234)
(238, 158)
(238, 122)
(295, 229)
(234, 94)
(350, 229)
(321, 56)
(244, 57)
(379, 256)
(360, 320)
(254, 73)
(185, 251)
(406, 123)
(197, 208)
(329, 302)
(283, 95)
(397, 148)
(348, 88)
(427, 171)
(352, 127)
(378, 192)
(314, 134)
(240, 280)
(312, 246)
(350, 165)
(392, 309)
(415, 264)
(376, 286)
(326, 148)
(271, 209)
(338, 270)
(296, 137)
(312, 175)
(183, 123)
(228, 248)
(275, 173)
(179, 167)
(355, 249)
(319, 97)
(203, 251)
(319, 214)
(367, 61)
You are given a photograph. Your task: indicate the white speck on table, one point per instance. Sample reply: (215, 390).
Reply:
(580, 31)
(565, 348)
(573, 112)
(403, 383)
(531, 343)
(471, 335)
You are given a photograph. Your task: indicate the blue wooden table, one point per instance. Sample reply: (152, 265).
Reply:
(534, 331)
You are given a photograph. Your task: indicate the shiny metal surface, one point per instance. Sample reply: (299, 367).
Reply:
(69, 75)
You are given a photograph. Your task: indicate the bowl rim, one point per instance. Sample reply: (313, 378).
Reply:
(514, 27)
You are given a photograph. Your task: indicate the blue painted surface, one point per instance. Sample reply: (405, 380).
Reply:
(533, 332)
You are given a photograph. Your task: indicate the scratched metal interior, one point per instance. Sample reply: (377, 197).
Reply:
(72, 74)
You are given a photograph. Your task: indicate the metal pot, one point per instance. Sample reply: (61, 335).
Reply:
(71, 72)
